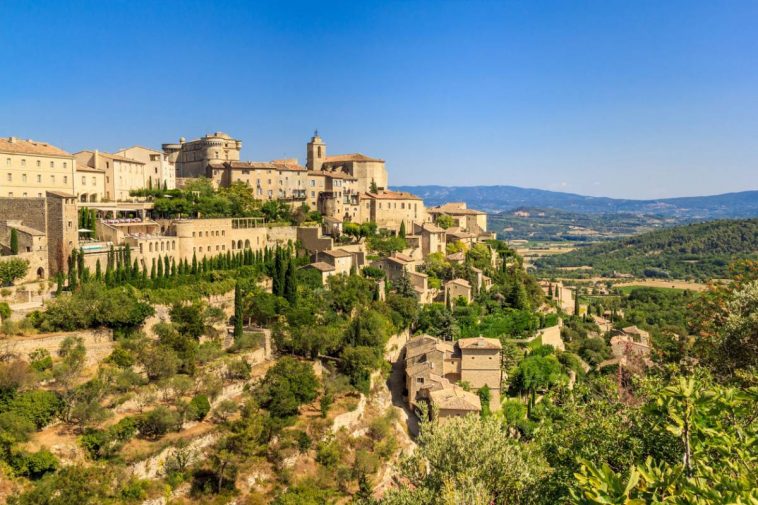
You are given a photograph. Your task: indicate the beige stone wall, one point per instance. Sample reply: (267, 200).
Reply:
(267, 183)
(99, 344)
(389, 213)
(62, 231)
(192, 158)
(32, 175)
(158, 169)
(89, 185)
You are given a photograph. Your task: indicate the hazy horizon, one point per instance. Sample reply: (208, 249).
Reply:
(638, 101)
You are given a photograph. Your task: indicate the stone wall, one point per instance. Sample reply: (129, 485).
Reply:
(99, 344)
(281, 234)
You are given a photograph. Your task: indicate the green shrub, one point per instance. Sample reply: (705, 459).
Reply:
(40, 407)
(199, 407)
(40, 360)
(158, 422)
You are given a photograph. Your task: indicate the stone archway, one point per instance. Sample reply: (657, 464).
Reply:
(40, 273)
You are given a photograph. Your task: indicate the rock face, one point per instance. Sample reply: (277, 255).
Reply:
(152, 467)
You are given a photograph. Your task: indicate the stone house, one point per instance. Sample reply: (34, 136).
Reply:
(30, 169)
(457, 288)
(192, 158)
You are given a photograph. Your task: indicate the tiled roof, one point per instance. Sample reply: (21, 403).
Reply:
(264, 165)
(479, 343)
(340, 158)
(18, 146)
(321, 266)
(455, 209)
(113, 157)
(455, 398)
(392, 195)
(461, 282)
(25, 229)
(337, 253)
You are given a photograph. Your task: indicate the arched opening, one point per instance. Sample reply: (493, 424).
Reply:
(247, 244)
(239, 244)
(40, 273)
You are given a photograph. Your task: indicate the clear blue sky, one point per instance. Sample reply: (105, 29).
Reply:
(632, 99)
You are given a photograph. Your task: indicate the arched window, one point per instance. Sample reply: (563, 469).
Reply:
(239, 244)
(247, 244)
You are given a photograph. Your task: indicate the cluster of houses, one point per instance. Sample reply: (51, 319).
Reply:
(444, 377)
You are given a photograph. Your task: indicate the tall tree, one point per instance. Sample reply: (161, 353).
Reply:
(237, 311)
(14, 241)
(290, 285)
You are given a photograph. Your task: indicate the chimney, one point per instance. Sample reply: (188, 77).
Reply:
(97, 153)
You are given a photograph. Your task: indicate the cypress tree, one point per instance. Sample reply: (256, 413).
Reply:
(59, 281)
(276, 278)
(194, 264)
(152, 270)
(576, 302)
(72, 276)
(14, 241)
(290, 286)
(127, 257)
(98, 270)
(401, 233)
(80, 264)
(135, 270)
(237, 311)
(173, 268)
(160, 268)
(166, 266)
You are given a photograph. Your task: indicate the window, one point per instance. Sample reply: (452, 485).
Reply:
(10, 177)
(39, 195)
(7, 162)
(65, 179)
(23, 177)
(52, 179)
(23, 163)
(313, 194)
(52, 164)
(10, 194)
(65, 165)
(39, 178)
(84, 181)
(313, 183)
(39, 163)
(24, 195)
(94, 181)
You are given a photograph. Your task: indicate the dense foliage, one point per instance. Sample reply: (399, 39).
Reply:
(697, 251)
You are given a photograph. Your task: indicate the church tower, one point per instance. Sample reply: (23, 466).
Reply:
(316, 153)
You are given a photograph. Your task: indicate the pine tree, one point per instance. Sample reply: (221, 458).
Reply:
(237, 311)
(14, 241)
(290, 285)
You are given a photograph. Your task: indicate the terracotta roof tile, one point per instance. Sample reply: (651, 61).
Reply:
(340, 158)
(18, 146)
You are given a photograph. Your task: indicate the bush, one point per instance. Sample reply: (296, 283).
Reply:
(39, 407)
(238, 369)
(40, 360)
(199, 407)
(5, 310)
(158, 422)
(34, 464)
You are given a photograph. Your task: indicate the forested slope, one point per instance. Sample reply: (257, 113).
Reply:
(698, 251)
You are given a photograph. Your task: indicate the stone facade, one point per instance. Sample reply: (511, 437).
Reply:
(31, 168)
(390, 208)
(275, 180)
(121, 174)
(192, 158)
(434, 367)
(159, 171)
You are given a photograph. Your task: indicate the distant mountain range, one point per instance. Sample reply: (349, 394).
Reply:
(504, 198)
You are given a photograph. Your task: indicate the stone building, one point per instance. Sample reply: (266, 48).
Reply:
(31, 168)
(192, 158)
(121, 174)
(435, 371)
(46, 228)
(367, 171)
(456, 289)
(273, 180)
(390, 208)
(468, 220)
(89, 184)
(159, 171)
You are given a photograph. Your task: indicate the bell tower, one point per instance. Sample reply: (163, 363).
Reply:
(316, 153)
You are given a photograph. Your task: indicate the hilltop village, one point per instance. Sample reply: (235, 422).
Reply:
(180, 326)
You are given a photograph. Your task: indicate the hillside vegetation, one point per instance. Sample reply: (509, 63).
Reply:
(699, 251)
